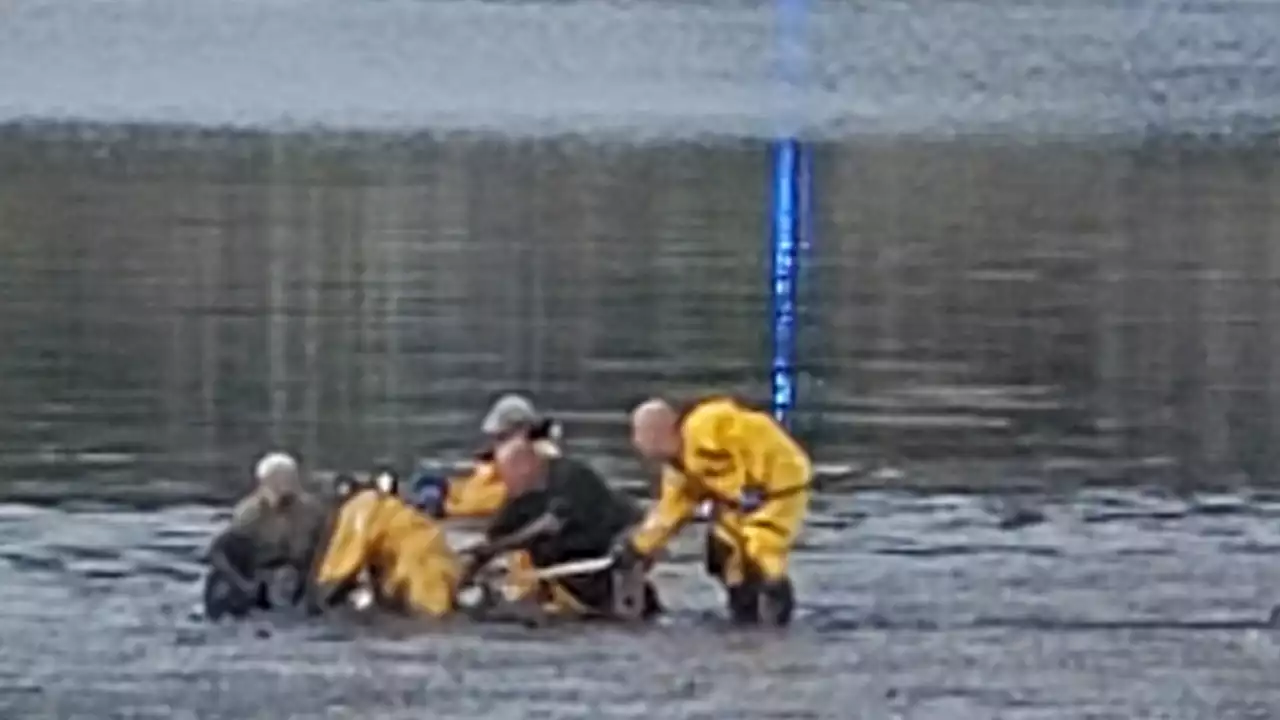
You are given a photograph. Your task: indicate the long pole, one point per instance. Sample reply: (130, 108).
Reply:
(792, 209)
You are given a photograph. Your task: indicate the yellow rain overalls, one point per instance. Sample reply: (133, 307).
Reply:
(406, 551)
(757, 479)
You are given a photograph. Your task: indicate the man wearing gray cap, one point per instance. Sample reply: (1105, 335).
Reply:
(481, 493)
(510, 412)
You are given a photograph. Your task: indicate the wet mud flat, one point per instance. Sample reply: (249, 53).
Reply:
(1116, 605)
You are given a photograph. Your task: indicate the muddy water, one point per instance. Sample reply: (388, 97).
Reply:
(1118, 605)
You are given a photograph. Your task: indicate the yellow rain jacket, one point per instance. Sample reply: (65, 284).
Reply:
(406, 551)
(755, 475)
(478, 495)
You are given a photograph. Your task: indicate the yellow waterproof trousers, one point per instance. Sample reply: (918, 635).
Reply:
(756, 544)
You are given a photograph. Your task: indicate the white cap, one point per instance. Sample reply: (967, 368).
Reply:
(275, 463)
(508, 413)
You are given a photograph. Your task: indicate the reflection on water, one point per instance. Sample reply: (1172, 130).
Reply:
(181, 299)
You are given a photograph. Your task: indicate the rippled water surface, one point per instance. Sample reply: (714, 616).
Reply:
(1118, 605)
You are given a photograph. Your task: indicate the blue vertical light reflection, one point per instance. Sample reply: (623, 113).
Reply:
(784, 246)
(792, 201)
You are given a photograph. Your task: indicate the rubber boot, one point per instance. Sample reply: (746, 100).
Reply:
(777, 602)
(744, 603)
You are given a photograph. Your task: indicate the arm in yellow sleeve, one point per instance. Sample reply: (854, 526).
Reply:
(479, 494)
(677, 504)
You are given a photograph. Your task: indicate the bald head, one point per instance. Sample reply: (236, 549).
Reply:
(518, 463)
(655, 430)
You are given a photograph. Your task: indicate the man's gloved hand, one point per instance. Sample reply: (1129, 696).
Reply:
(430, 493)
(625, 556)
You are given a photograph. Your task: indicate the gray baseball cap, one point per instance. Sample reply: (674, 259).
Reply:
(508, 413)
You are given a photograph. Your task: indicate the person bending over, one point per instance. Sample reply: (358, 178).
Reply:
(757, 480)
(559, 511)
(381, 540)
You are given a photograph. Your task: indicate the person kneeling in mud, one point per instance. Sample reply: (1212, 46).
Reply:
(383, 552)
(380, 539)
(277, 526)
(561, 512)
(757, 479)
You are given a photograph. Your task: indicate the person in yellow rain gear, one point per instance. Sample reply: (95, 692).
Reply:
(275, 527)
(379, 538)
(757, 479)
(481, 493)
(384, 552)
(562, 513)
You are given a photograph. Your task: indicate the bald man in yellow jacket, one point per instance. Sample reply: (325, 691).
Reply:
(757, 479)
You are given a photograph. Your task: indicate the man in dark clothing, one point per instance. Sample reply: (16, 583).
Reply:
(559, 510)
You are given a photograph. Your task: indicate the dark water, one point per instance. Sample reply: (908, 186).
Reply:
(1043, 257)
(1120, 606)
(975, 313)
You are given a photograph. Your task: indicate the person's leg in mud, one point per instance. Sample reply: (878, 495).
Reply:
(222, 598)
(768, 535)
(234, 585)
(424, 579)
(723, 561)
